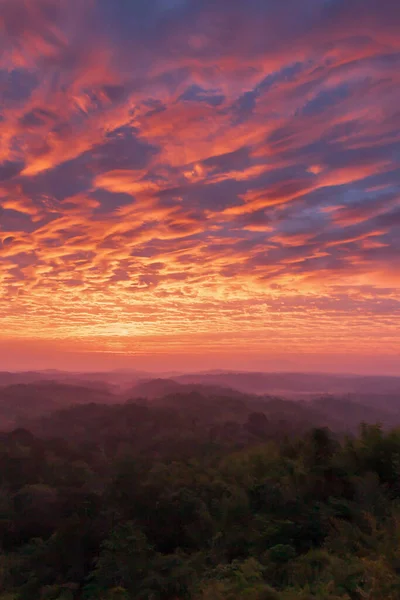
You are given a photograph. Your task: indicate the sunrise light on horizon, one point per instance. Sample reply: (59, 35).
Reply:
(189, 185)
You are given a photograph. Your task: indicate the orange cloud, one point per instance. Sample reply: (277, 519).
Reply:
(170, 189)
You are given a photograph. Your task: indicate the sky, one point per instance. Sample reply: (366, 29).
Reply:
(191, 184)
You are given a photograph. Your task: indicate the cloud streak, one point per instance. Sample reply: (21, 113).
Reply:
(179, 175)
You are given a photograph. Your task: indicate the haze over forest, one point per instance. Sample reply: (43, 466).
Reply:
(340, 402)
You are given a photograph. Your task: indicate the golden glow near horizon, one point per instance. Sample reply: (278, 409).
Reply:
(212, 178)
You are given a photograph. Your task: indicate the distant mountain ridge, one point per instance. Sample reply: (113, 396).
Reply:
(343, 404)
(244, 381)
(295, 383)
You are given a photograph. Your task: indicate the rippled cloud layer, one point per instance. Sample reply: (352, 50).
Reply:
(211, 177)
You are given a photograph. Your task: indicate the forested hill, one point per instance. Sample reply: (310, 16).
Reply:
(177, 424)
(195, 410)
(306, 518)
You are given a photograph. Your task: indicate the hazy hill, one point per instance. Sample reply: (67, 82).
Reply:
(280, 383)
(346, 413)
(296, 383)
(112, 379)
(176, 425)
(157, 388)
(212, 400)
(29, 400)
(183, 421)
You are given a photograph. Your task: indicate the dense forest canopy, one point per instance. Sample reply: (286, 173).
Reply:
(202, 493)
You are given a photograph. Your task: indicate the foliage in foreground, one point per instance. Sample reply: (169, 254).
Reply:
(309, 519)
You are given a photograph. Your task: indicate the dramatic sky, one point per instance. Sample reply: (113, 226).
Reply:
(200, 183)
